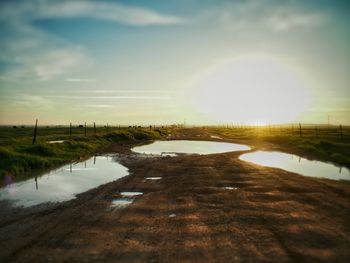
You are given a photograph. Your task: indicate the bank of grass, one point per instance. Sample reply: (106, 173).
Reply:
(324, 144)
(18, 155)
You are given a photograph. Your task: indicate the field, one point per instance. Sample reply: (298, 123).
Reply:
(18, 154)
(271, 215)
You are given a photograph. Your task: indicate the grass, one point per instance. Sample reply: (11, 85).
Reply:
(18, 156)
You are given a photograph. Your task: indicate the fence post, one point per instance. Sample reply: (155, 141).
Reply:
(94, 128)
(35, 131)
(299, 129)
(85, 128)
(70, 129)
(341, 131)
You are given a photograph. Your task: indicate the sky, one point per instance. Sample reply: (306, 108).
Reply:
(164, 62)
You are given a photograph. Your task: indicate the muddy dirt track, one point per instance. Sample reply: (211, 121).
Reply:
(188, 216)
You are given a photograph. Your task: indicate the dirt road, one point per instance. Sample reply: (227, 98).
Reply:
(188, 216)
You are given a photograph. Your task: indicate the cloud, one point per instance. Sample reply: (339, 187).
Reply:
(97, 106)
(108, 97)
(57, 62)
(116, 12)
(125, 91)
(32, 102)
(18, 12)
(287, 21)
(30, 53)
(272, 16)
(79, 80)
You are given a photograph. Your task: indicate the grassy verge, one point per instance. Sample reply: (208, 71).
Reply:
(19, 156)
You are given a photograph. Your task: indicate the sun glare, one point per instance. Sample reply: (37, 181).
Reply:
(251, 90)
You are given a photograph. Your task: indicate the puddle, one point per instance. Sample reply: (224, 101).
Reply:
(230, 188)
(131, 193)
(166, 148)
(296, 164)
(121, 202)
(53, 142)
(153, 178)
(64, 183)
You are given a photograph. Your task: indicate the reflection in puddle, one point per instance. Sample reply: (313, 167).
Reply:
(54, 142)
(230, 188)
(153, 178)
(64, 183)
(188, 147)
(296, 164)
(121, 202)
(131, 193)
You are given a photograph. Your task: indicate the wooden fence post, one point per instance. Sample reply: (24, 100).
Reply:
(35, 131)
(299, 129)
(70, 129)
(341, 131)
(94, 128)
(85, 128)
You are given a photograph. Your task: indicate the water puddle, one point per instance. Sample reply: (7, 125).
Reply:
(126, 200)
(153, 178)
(54, 142)
(296, 164)
(65, 183)
(121, 202)
(131, 193)
(166, 148)
(230, 188)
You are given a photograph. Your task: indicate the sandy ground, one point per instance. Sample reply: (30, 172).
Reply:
(188, 216)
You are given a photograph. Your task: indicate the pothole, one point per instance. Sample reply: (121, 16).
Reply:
(153, 178)
(131, 193)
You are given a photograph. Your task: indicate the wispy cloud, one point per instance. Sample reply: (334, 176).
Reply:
(116, 12)
(79, 80)
(107, 97)
(96, 106)
(32, 102)
(286, 21)
(273, 16)
(125, 91)
(33, 54)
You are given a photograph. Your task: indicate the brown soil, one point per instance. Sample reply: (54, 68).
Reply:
(272, 216)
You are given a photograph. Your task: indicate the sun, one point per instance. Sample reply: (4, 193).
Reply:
(251, 90)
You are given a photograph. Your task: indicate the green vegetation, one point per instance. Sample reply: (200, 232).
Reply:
(18, 156)
(322, 142)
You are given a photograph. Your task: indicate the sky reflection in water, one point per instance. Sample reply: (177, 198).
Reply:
(188, 147)
(296, 164)
(64, 183)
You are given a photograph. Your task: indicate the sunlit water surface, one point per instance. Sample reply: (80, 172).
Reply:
(296, 164)
(64, 183)
(171, 148)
